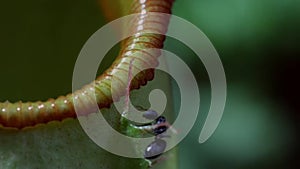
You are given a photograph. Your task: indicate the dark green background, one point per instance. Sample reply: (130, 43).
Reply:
(257, 40)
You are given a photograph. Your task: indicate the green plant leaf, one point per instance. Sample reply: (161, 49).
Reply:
(65, 145)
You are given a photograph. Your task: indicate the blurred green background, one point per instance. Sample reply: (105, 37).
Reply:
(257, 40)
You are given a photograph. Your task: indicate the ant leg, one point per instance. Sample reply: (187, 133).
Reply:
(153, 162)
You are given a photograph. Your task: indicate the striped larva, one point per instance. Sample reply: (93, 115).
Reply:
(20, 115)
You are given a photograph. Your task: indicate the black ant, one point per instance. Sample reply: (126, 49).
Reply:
(157, 128)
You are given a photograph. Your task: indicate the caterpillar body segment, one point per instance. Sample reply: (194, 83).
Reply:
(25, 114)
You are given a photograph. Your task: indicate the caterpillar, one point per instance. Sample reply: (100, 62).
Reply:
(20, 115)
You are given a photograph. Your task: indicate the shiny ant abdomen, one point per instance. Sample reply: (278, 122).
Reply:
(155, 149)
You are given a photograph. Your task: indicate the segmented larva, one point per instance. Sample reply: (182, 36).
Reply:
(20, 115)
